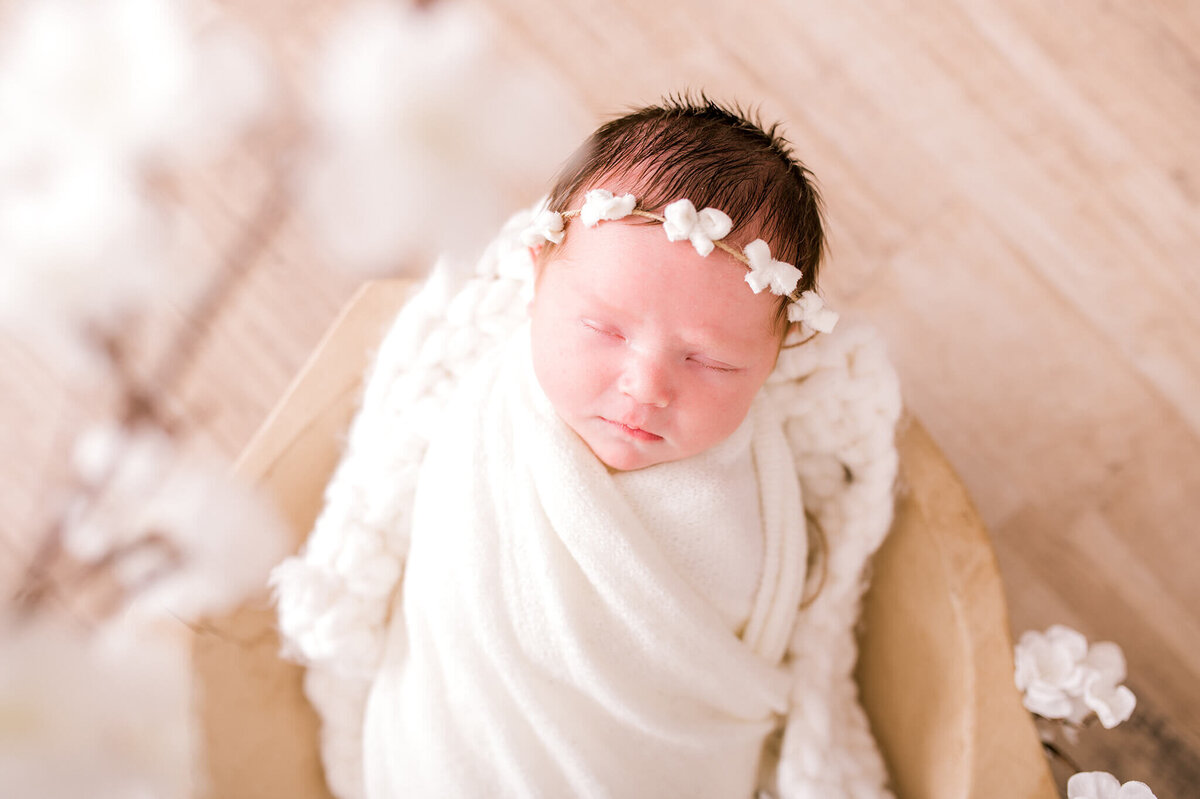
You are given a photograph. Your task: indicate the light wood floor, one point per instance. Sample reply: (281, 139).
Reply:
(1013, 190)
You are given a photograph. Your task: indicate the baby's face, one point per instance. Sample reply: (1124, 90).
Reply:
(647, 350)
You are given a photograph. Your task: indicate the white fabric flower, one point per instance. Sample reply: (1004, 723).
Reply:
(1102, 785)
(701, 228)
(1050, 671)
(1102, 691)
(546, 226)
(765, 272)
(1063, 678)
(811, 311)
(600, 204)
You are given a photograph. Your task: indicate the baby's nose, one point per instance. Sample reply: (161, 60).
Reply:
(646, 381)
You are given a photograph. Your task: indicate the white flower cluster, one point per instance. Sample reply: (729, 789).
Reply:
(91, 96)
(1102, 785)
(104, 708)
(1062, 677)
(704, 229)
(180, 533)
(424, 132)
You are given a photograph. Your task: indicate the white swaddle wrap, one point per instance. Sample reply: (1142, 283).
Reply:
(545, 645)
(338, 603)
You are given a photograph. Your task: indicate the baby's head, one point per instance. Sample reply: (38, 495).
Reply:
(650, 351)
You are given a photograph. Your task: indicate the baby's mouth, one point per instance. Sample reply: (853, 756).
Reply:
(636, 433)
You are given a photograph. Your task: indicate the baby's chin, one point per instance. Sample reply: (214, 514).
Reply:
(614, 458)
(625, 458)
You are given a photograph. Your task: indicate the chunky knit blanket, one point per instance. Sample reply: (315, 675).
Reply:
(338, 598)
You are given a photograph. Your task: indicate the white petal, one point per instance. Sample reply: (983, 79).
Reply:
(1135, 790)
(1079, 710)
(600, 204)
(1108, 660)
(546, 226)
(593, 203)
(1047, 701)
(1112, 705)
(1093, 785)
(758, 253)
(824, 320)
(622, 206)
(715, 223)
(1072, 642)
(680, 219)
(701, 242)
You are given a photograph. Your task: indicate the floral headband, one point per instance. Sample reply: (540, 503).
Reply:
(704, 229)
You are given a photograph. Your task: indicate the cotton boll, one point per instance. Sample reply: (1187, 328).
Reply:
(231, 87)
(93, 79)
(104, 716)
(422, 127)
(81, 248)
(96, 451)
(90, 94)
(228, 537)
(126, 80)
(186, 535)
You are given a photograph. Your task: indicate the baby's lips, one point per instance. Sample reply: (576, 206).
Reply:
(635, 431)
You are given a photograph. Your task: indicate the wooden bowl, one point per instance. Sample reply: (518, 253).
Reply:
(935, 669)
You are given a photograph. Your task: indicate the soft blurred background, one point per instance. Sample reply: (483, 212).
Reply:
(189, 191)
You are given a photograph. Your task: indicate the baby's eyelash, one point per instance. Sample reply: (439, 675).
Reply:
(604, 331)
(711, 367)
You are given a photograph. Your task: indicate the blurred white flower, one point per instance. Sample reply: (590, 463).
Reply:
(1063, 678)
(104, 715)
(80, 247)
(1102, 785)
(423, 132)
(91, 94)
(123, 81)
(811, 311)
(546, 226)
(193, 540)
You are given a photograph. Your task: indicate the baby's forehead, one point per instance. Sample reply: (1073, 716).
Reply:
(629, 267)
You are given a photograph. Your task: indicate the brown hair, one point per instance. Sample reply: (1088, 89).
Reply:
(714, 156)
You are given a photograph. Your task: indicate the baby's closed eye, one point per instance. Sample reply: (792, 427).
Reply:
(715, 366)
(602, 329)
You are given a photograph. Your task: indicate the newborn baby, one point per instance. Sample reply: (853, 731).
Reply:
(604, 588)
